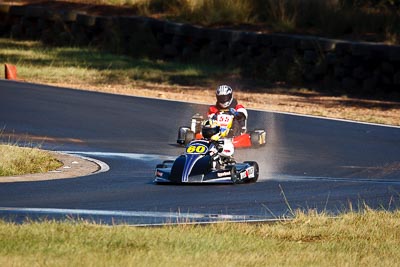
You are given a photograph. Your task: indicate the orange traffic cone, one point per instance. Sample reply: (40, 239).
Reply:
(11, 72)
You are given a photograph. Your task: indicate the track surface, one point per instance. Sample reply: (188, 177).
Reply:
(307, 163)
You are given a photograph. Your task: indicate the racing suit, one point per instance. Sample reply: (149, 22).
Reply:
(239, 122)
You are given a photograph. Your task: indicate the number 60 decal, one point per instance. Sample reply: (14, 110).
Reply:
(196, 149)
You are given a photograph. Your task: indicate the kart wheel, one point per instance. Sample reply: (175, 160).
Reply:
(258, 138)
(168, 163)
(160, 166)
(256, 172)
(182, 135)
(189, 137)
(255, 139)
(165, 164)
(234, 175)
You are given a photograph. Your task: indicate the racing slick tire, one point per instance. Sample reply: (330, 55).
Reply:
(234, 175)
(185, 135)
(257, 138)
(189, 137)
(182, 135)
(168, 163)
(256, 172)
(165, 164)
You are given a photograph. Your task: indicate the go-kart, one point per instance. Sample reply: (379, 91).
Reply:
(199, 165)
(246, 139)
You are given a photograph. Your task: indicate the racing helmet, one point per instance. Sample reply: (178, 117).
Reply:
(224, 96)
(210, 128)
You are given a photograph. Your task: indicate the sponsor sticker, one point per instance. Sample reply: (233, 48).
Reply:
(250, 172)
(223, 174)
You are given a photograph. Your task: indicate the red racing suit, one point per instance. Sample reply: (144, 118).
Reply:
(239, 122)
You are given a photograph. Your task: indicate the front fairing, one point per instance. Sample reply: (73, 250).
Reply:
(194, 164)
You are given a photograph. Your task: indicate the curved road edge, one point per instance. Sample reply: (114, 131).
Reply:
(74, 166)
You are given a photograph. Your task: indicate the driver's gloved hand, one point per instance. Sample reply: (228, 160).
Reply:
(233, 112)
(238, 115)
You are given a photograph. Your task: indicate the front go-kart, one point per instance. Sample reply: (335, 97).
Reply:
(196, 166)
(247, 139)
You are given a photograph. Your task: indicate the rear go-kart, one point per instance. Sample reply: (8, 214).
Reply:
(246, 139)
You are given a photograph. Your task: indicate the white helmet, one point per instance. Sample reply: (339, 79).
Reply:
(224, 96)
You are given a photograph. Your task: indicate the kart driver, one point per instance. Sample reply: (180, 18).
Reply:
(222, 152)
(227, 103)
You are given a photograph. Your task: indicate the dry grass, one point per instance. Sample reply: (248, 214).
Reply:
(370, 238)
(22, 160)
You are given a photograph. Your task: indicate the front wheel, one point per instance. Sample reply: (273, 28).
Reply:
(256, 172)
(235, 177)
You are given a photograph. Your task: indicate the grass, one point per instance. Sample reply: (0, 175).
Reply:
(22, 160)
(87, 65)
(370, 238)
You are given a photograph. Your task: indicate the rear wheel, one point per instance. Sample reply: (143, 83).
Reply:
(182, 135)
(234, 175)
(189, 137)
(258, 138)
(255, 139)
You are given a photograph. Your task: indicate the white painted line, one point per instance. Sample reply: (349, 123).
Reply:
(333, 179)
(134, 156)
(147, 214)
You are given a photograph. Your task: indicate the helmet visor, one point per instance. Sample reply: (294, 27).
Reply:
(208, 132)
(224, 100)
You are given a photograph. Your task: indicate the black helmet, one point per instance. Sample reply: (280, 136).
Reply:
(224, 96)
(210, 128)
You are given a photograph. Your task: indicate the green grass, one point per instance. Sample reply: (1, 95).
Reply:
(22, 160)
(371, 238)
(38, 63)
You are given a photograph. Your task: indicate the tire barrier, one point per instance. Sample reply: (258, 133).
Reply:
(355, 67)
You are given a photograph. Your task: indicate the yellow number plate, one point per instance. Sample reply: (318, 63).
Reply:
(196, 149)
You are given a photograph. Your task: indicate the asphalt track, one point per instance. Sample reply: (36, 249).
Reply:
(308, 163)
